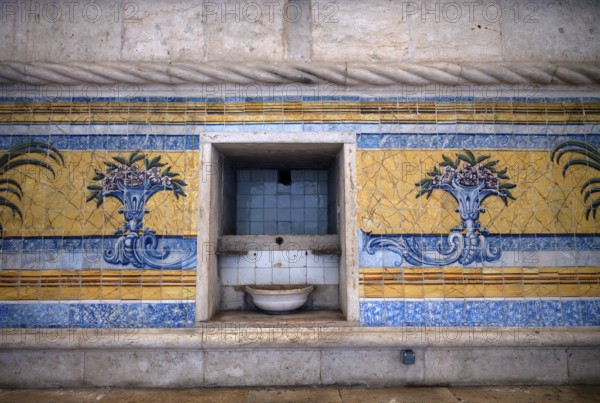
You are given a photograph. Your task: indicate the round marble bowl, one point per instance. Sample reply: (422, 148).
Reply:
(279, 298)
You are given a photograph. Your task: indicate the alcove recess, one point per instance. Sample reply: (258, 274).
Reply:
(247, 226)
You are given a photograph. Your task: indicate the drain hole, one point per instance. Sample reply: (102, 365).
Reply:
(279, 240)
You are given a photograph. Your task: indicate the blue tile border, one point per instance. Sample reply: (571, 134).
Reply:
(441, 140)
(97, 315)
(506, 243)
(526, 312)
(115, 142)
(72, 253)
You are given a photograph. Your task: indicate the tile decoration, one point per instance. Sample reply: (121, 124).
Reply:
(58, 266)
(542, 265)
(53, 274)
(279, 267)
(266, 206)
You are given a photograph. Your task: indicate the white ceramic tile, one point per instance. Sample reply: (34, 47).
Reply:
(243, 175)
(270, 228)
(281, 276)
(311, 214)
(256, 228)
(279, 260)
(257, 201)
(331, 261)
(297, 201)
(296, 258)
(314, 276)
(264, 259)
(297, 227)
(284, 227)
(297, 175)
(243, 227)
(270, 188)
(311, 200)
(243, 188)
(331, 275)
(283, 201)
(248, 260)
(229, 276)
(311, 227)
(257, 215)
(270, 202)
(314, 261)
(228, 262)
(284, 214)
(264, 276)
(298, 275)
(257, 188)
(246, 276)
(297, 188)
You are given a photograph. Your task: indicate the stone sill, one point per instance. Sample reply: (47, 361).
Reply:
(241, 244)
(317, 335)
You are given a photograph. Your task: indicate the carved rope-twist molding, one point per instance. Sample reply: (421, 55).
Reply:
(345, 74)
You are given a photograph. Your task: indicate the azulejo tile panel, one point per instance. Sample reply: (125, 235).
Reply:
(435, 253)
(101, 231)
(531, 262)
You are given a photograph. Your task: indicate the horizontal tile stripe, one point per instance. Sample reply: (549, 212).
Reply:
(522, 312)
(97, 315)
(449, 140)
(297, 111)
(479, 283)
(120, 142)
(97, 284)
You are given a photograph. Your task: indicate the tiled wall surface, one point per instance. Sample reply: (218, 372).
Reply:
(279, 267)
(537, 264)
(265, 206)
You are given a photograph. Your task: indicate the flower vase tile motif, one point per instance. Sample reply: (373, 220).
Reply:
(469, 179)
(133, 186)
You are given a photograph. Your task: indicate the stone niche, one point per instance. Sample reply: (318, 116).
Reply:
(274, 213)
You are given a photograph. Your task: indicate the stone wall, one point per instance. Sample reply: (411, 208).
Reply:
(376, 31)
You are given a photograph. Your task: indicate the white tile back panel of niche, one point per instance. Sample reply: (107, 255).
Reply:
(229, 276)
(295, 258)
(331, 275)
(315, 275)
(298, 275)
(281, 275)
(264, 276)
(246, 276)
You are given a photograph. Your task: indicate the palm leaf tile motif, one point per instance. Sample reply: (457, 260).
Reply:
(11, 191)
(585, 155)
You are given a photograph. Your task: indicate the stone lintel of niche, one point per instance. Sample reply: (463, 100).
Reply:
(265, 335)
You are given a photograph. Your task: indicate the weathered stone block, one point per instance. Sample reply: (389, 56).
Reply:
(148, 368)
(584, 366)
(370, 368)
(261, 368)
(359, 31)
(41, 369)
(157, 36)
(496, 367)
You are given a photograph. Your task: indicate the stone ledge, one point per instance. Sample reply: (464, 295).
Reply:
(298, 336)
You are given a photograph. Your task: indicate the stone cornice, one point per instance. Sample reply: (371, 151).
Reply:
(318, 335)
(343, 74)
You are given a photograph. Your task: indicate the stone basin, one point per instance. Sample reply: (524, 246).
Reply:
(279, 298)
